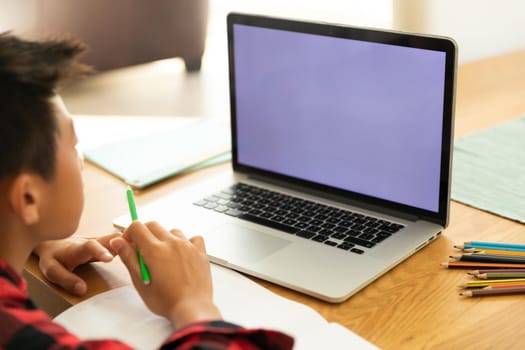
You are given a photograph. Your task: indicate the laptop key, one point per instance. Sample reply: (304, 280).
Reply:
(360, 242)
(338, 235)
(333, 220)
(378, 239)
(383, 234)
(221, 209)
(390, 229)
(345, 246)
(301, 225)
(353, 233)
(225, 196)
(357, 251)
(340, 229)
(210, 205)
(256, 212)
(290, 222)
(278, 218)
(243, 208)
(314, 228)
(366, 236)
(327, 225)
(268, 223)
(233, 212)
(320, 238)
(303, 219)
(201, 203)
(370, 230)
(306, 234)
(212, 198)
(326, 232)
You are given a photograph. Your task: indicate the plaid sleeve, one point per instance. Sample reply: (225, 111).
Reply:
(224, 335)
(23, 326)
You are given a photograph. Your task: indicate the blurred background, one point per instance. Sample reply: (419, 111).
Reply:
(169, 57)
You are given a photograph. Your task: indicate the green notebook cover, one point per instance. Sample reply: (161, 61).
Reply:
(143, 161)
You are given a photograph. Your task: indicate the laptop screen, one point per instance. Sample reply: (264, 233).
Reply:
(357, 115)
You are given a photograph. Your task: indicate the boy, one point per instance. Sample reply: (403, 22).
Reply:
(41, 200)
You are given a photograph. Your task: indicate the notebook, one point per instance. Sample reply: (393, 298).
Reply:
(341, 155)
(142, 161)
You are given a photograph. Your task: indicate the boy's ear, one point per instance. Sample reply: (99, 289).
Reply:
(24, 197)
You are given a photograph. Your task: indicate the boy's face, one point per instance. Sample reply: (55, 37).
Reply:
(65, 196)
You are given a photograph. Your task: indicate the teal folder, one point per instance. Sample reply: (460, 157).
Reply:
(143, 161)
(489, 170)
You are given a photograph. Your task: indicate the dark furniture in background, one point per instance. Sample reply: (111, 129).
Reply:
(127, 32)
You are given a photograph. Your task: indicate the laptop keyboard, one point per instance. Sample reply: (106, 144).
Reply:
(321, 223)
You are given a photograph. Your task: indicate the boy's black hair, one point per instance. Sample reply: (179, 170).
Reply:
(30, 73)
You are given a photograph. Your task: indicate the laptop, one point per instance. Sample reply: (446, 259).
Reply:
(341, 155)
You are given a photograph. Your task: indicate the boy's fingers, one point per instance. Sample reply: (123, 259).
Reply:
(94, 251)
(157, 230)
(58, 274)
(139, 233)
(104, 240)
(178, 233)
(198, 242)
(127, 254)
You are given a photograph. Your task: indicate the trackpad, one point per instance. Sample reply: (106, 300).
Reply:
(238, 243)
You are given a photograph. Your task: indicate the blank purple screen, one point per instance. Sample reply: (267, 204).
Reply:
(359, 116)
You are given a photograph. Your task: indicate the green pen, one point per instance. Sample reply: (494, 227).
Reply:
(134, 217)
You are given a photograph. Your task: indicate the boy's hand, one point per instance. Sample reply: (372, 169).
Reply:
(181, 285)
(58, 259)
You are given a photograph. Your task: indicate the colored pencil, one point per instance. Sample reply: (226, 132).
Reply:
(494, 275)
(465, 264)
(494, 251)
(133, 212)
(479, 272)
(492, 245)
(484, 283)
(489, 258)
(511, 285)
(491, 291)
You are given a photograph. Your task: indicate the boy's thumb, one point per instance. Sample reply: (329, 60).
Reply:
(128, 255)
(117, 244)
(124, 250)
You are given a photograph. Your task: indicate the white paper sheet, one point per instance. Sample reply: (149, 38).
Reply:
(121, 314)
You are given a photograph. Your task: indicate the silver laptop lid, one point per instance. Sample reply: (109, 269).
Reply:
(362, 114)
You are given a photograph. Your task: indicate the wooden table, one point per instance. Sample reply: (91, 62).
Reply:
(413, 306)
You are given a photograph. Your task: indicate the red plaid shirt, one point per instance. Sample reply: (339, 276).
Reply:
(23, 326)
